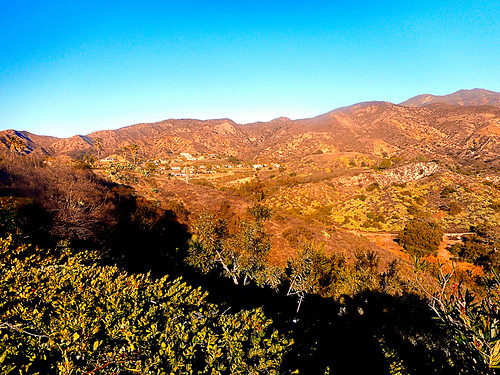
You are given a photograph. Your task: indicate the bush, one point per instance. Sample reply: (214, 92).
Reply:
(373, 186)
(253, 189)
(260, 212)
(473, 321)
(361, 197)
(297, 235)
(233, 160)
(454, 208)
(202, 182)
(421, 237)
(384, 164)
(495, 206)
(479, 247)
(63, 317)
(446, 191)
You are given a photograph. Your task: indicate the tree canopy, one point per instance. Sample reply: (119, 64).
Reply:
(421, 237)
(61, 315)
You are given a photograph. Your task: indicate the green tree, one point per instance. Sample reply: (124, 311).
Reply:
(61, 316)
(239, 254)
(421, 237)
(480, 246)
(308, 272)
(384, 164)
(15, 144)
(134, 149)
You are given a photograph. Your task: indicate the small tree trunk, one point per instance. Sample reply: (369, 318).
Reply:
(301, 298)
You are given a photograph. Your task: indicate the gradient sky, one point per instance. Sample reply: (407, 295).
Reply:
(72, 67)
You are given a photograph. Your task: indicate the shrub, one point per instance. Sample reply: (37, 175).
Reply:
(473, 321)
(419, 200)
(446, 191)
(238, 252)
(396, 159)
(179, 209)
(421, 237)
(373, 186)
(384, 164)
(202, 182)
(479, 247)
(260, 212)
(454, 208)
(495, 206)
(253, 189)
(361, 197)
(233, 160)
(297, 235)
(64, 317)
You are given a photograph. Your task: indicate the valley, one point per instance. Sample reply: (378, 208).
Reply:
(365, 223)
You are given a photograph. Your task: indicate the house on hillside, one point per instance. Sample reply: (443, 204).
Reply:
(108, 160)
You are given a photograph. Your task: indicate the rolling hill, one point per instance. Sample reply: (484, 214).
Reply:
(456, 128)
(459, 98)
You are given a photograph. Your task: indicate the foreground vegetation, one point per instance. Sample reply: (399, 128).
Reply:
(61, 315)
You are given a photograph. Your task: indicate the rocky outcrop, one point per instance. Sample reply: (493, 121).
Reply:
(400, 175)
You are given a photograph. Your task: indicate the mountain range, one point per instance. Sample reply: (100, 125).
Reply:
(461, 127)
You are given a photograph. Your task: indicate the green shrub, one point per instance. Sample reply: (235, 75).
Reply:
(260, 212)
(495, 206)
(454, 208)
(479, 247)
(421, 237)
(419, 200)
(384, 164)
(202, 182)
(64, 317)
(446, 191)
(473, 321)
(373, 186)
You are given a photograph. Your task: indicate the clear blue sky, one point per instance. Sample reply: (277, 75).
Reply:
(72, 67)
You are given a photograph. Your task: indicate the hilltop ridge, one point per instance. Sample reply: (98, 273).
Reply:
(455, 127)
(459, 98)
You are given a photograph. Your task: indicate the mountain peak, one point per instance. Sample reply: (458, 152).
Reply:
(462, 97)
(281, 119)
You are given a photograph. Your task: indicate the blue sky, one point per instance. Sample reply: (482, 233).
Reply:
(72, 67)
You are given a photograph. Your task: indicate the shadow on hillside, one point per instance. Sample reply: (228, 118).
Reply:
(370, 333)
(147, 238)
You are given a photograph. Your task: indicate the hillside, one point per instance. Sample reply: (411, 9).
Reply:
(462, 132)
(459, 98)
(342, 225)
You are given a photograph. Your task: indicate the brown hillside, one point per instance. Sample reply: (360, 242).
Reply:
(36, 144)
(460, 98)
(464, 134)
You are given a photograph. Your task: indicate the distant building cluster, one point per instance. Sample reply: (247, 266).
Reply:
(185, 164)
